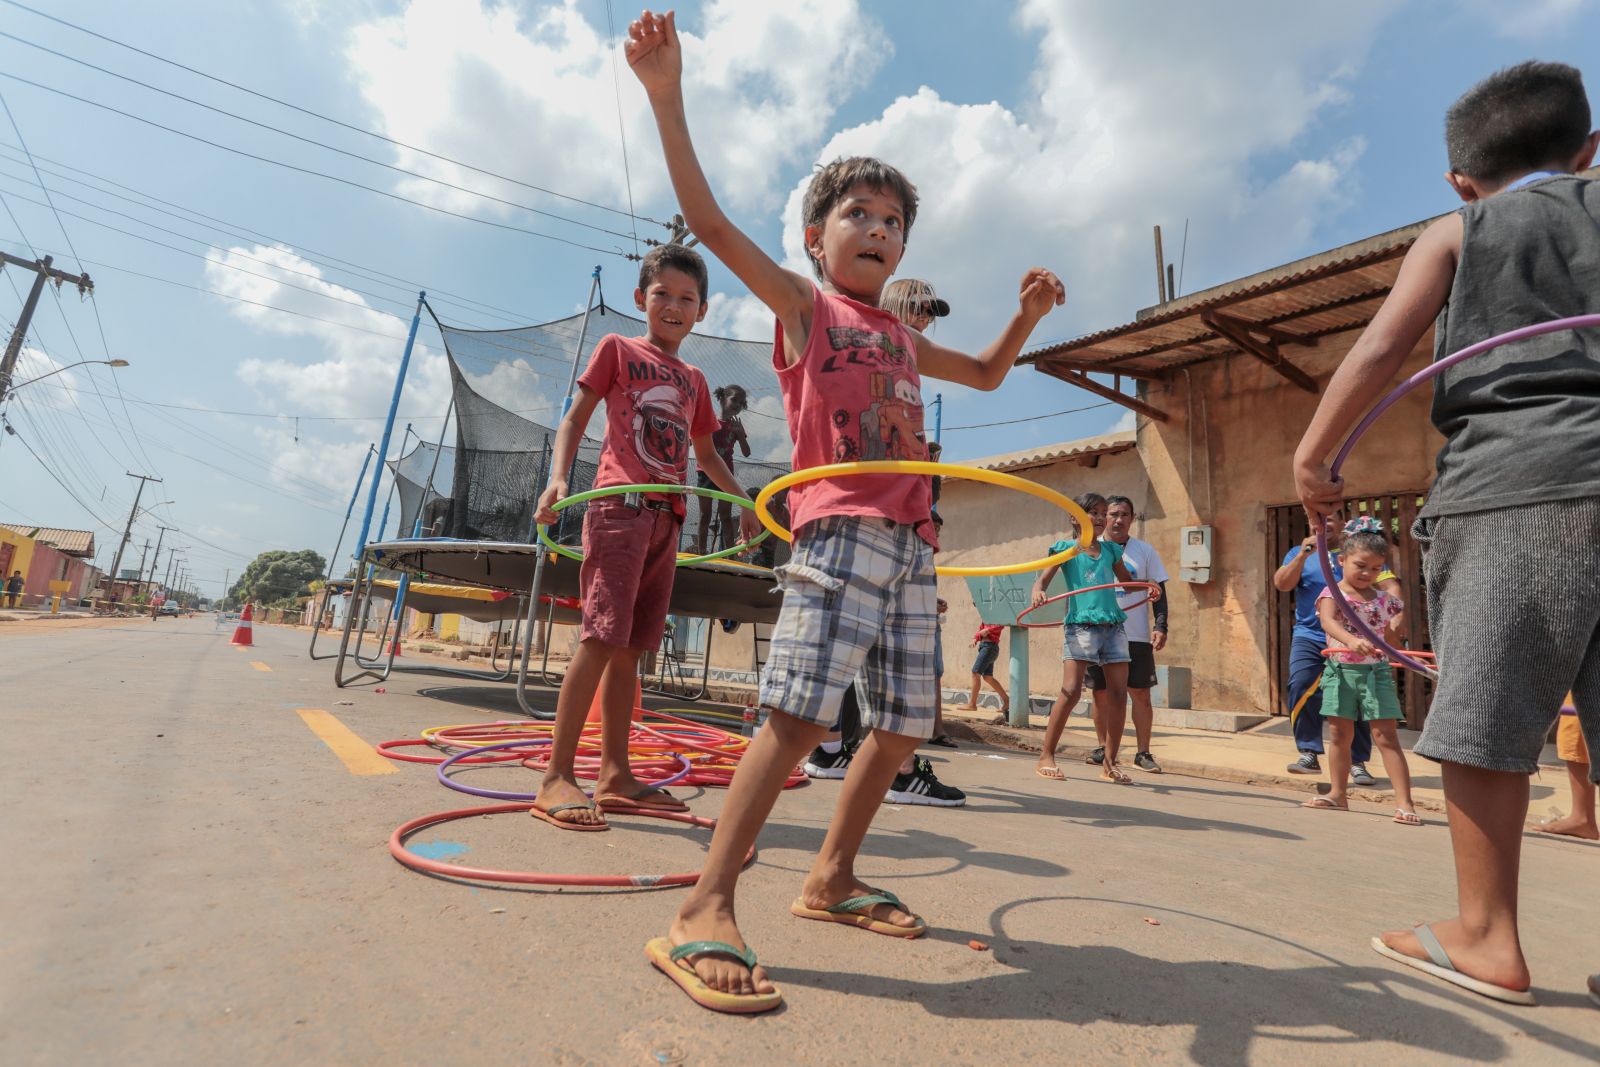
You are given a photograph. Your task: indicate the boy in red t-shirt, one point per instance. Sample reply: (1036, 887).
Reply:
(859, 589)
(655, 405)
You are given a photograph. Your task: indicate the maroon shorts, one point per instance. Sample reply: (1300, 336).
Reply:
(626, 578)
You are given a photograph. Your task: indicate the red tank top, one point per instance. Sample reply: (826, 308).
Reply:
(855, 395)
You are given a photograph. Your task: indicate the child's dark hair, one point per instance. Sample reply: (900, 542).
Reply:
(677, 257)
(1367, 541)
(1523, 118)
(1088, 502)
(733, 394)
(831, 183)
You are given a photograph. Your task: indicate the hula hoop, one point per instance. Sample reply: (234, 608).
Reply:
(387, 748)
(1418, 653)
(501, 794)
(1150, 588)
(664, 487)
(397, 849)
(947, 470)
(1425, 374)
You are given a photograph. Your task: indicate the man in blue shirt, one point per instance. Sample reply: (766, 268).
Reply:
(1302, 574)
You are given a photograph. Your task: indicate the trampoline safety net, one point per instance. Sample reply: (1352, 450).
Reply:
(508, 387)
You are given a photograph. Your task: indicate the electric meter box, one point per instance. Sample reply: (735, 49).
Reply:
(1194, 554)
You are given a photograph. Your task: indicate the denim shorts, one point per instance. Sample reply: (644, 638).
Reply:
(1095, 643)
(983, 663)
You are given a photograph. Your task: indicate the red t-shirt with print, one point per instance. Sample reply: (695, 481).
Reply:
(655, 405)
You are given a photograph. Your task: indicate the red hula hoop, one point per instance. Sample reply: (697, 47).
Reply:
(387, 748)
(406, 857)
(1150, 587)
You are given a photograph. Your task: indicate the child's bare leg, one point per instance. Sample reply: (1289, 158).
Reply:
(1340, 733)
(832, 876)
(707, 913)
(972, 701)
(1066, 700)
(1580, 821)
(1005, 698)
(1099, 700)
(560, 785)
(705, 524)
(1114, 712)
(1387, 738)
(1487, 810)
(617, 690)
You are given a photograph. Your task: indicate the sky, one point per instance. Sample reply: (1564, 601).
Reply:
(262, 303)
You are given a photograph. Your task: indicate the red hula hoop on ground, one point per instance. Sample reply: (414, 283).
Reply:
(1149, 587)
(1438, 367)
(405, 856)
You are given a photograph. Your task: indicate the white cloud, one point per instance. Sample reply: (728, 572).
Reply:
(542, 91)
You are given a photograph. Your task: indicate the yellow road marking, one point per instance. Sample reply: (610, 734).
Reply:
(258, 665)
(357, 756)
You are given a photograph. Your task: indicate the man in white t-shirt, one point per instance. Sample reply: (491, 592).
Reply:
(1144, 640)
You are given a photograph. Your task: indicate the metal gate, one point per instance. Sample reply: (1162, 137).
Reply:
(1287, 527)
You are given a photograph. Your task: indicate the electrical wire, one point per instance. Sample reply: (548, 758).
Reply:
(10, 429)
(326, 118)
(1033, 418)
(310, 171)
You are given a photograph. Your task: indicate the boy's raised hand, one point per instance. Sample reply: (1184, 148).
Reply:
(749, 525)
(1041, 291)
(653, 51)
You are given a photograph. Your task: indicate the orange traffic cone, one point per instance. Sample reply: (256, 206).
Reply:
(394, 645)
(638, 701)
(241, 635)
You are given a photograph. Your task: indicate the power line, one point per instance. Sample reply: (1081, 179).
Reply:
(311, 171)
(6, 423)
(312, 141)
(249, 234)
(1034, 418)
(327, 118)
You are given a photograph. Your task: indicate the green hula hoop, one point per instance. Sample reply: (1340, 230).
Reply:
(615, 490)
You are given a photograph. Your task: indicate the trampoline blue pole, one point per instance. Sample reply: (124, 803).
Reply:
(388, 426)
(938, 414)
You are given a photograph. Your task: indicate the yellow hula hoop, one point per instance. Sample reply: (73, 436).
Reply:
(947, 470)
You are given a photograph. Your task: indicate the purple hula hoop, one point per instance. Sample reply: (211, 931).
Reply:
(498, 794)
(1433, 370)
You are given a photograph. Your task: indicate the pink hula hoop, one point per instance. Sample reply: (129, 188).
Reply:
(1149, 588)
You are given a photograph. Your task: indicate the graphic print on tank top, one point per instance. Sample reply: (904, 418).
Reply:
(890, 426)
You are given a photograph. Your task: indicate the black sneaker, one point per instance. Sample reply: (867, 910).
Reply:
(1146, 762)
(921, 787)
(1306, 764)
(829, 764)
(1359, 775)
(1097, 757)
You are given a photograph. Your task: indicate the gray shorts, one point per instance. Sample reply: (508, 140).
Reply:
(1514, 607)
(857, 593)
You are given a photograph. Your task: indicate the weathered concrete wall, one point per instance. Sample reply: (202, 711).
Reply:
(1236, 463)
(986, 525)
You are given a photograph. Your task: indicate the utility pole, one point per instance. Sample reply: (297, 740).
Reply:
(127, 533)
(172, 556)
(223, 600)
(144, 554)
(155, 561)
(43, 272)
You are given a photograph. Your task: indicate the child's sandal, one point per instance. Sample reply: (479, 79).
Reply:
(1406, 818)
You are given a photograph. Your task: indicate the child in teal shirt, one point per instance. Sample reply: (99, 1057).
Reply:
(1093, 634)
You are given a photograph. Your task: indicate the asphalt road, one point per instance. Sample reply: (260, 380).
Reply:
(192, 876)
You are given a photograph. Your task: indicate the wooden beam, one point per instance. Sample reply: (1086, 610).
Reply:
(1266, 351)
(1097, 368)
(1083, 381)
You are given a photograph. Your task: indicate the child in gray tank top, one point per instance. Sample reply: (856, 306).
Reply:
(1511, 529)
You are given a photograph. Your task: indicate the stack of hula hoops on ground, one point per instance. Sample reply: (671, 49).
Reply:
(664, 750)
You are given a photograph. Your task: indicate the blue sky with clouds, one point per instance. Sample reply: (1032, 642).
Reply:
(1053, 132)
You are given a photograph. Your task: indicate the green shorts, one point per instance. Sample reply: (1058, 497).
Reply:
(1360, 691)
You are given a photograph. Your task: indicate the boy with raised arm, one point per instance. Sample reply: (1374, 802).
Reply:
(1515, 616)
(655, 404)
(859, 589)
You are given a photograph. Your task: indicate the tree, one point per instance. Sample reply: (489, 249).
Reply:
(275, 577)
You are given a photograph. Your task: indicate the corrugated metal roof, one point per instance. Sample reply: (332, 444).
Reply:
(1103, 445)
(1296, 303)
(72, 542)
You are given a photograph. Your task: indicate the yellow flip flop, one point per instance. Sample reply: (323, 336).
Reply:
(672, 962)
(853, 912)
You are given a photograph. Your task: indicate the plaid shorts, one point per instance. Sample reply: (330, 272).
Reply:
(857, 592)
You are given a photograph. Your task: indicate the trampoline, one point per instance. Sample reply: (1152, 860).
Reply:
(723, 589)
